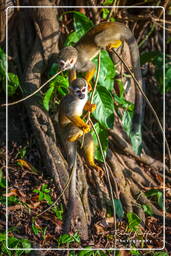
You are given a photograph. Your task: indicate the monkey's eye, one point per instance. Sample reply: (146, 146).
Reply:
(83, 90)
(71, 61)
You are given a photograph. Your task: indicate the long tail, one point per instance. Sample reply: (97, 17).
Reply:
(135, 57)
(72, 163)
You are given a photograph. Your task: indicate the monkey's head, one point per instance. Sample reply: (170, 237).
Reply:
(79, 88)
(67, 58)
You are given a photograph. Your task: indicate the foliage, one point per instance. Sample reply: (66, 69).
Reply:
(157, 195)
(44, 194)
(133, 221)
(14, 242)
(13, 80)
(68, 239)
(157, 58)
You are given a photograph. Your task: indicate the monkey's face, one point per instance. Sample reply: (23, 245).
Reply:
(67, 58)
(79, 88)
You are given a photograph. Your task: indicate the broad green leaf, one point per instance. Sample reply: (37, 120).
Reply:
(133, 221)
(81, 25)
(47, 97)
(107, 71)
(59, 81)
(136, 138)
(72, 38)
(103, 136)
(119, 208)
(147, 209)
(104, 112)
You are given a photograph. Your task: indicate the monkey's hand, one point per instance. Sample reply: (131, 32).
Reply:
(99, 170)
(85, 128)
(89, 107)
(75, 136)
(77, 121)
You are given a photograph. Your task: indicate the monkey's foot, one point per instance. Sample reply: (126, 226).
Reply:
(115, 44)
(99, 170)
(90, 107)
(75, 136)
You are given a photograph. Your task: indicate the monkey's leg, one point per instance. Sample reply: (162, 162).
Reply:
(89, 107)
(71, 133)
(80, 123)
(88, 147)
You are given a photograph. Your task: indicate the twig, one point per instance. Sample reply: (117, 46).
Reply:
(148, 103)
(30, 95)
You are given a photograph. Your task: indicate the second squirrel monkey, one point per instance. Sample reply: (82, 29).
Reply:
(72, 128)
(70, 111)
(105, 35)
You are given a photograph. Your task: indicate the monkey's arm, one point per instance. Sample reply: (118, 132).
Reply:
(79, 123)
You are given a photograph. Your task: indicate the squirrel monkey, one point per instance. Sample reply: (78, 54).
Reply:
(72, 127)
(105, 35)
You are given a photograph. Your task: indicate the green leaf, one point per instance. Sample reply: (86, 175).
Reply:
(160, 254)
(157, 194)
(133, 221)
(41, 195)
(2, 180)
(136, 138)
(2, 237)
(2, 64)
(103, 136)
(108, 2)
(13, 84)
(160, 199)
(105, 12)
(47, 98)
(107, 71)
(53, 70)
(119, 208)
(81, 25)
(35, 229)
(147, 209)
(26, 243)
(48, 199)
(72, 39)
(104, 112)
(135, 252)
(124, 104)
